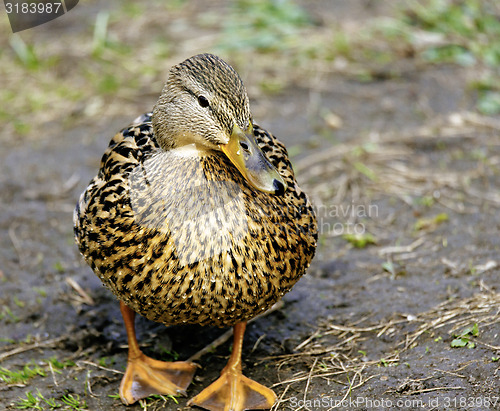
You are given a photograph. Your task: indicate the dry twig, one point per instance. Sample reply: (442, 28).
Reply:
(39, 344)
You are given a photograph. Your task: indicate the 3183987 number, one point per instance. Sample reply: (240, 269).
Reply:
(471, 402)
(32, 8)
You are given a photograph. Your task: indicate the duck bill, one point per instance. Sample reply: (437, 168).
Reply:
(244, 152)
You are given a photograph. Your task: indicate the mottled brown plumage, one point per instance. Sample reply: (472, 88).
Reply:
(174, 229)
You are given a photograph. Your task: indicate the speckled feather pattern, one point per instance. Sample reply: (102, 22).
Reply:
(173, 271)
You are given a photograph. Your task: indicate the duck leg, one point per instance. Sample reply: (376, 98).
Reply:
(233, 391)
(145, 376)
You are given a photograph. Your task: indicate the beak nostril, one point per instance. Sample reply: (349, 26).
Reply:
(279, 188)
(244, 146)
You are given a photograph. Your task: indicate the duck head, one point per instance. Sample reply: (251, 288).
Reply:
(204, 103)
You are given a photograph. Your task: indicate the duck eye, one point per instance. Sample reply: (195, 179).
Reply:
(203, 101)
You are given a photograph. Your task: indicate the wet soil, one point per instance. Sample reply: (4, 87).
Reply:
(348, 334)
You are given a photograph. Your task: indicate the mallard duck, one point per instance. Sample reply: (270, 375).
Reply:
(195, 217)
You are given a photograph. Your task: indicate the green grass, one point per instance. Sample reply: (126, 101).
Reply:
(389, 267)
(360, 240)
(19, 302)
(59, 267)
(106, 361)
(31, 370)
(100, 40)
(40, 291)
(466, 33)
(168, 355)
(263, 25)
(463, 339)
(31, 402)
(74, 402)
(51, 83)
(156, 401)
(431, 223)
(425, 201)
(21, 376)
(8, 316)
(24, 52)
(58, 365)
(39, 402)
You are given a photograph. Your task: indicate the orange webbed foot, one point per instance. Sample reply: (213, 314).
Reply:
(234, 392)
(145, 376)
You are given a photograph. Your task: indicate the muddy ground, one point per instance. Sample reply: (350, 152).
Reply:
(401, 155)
